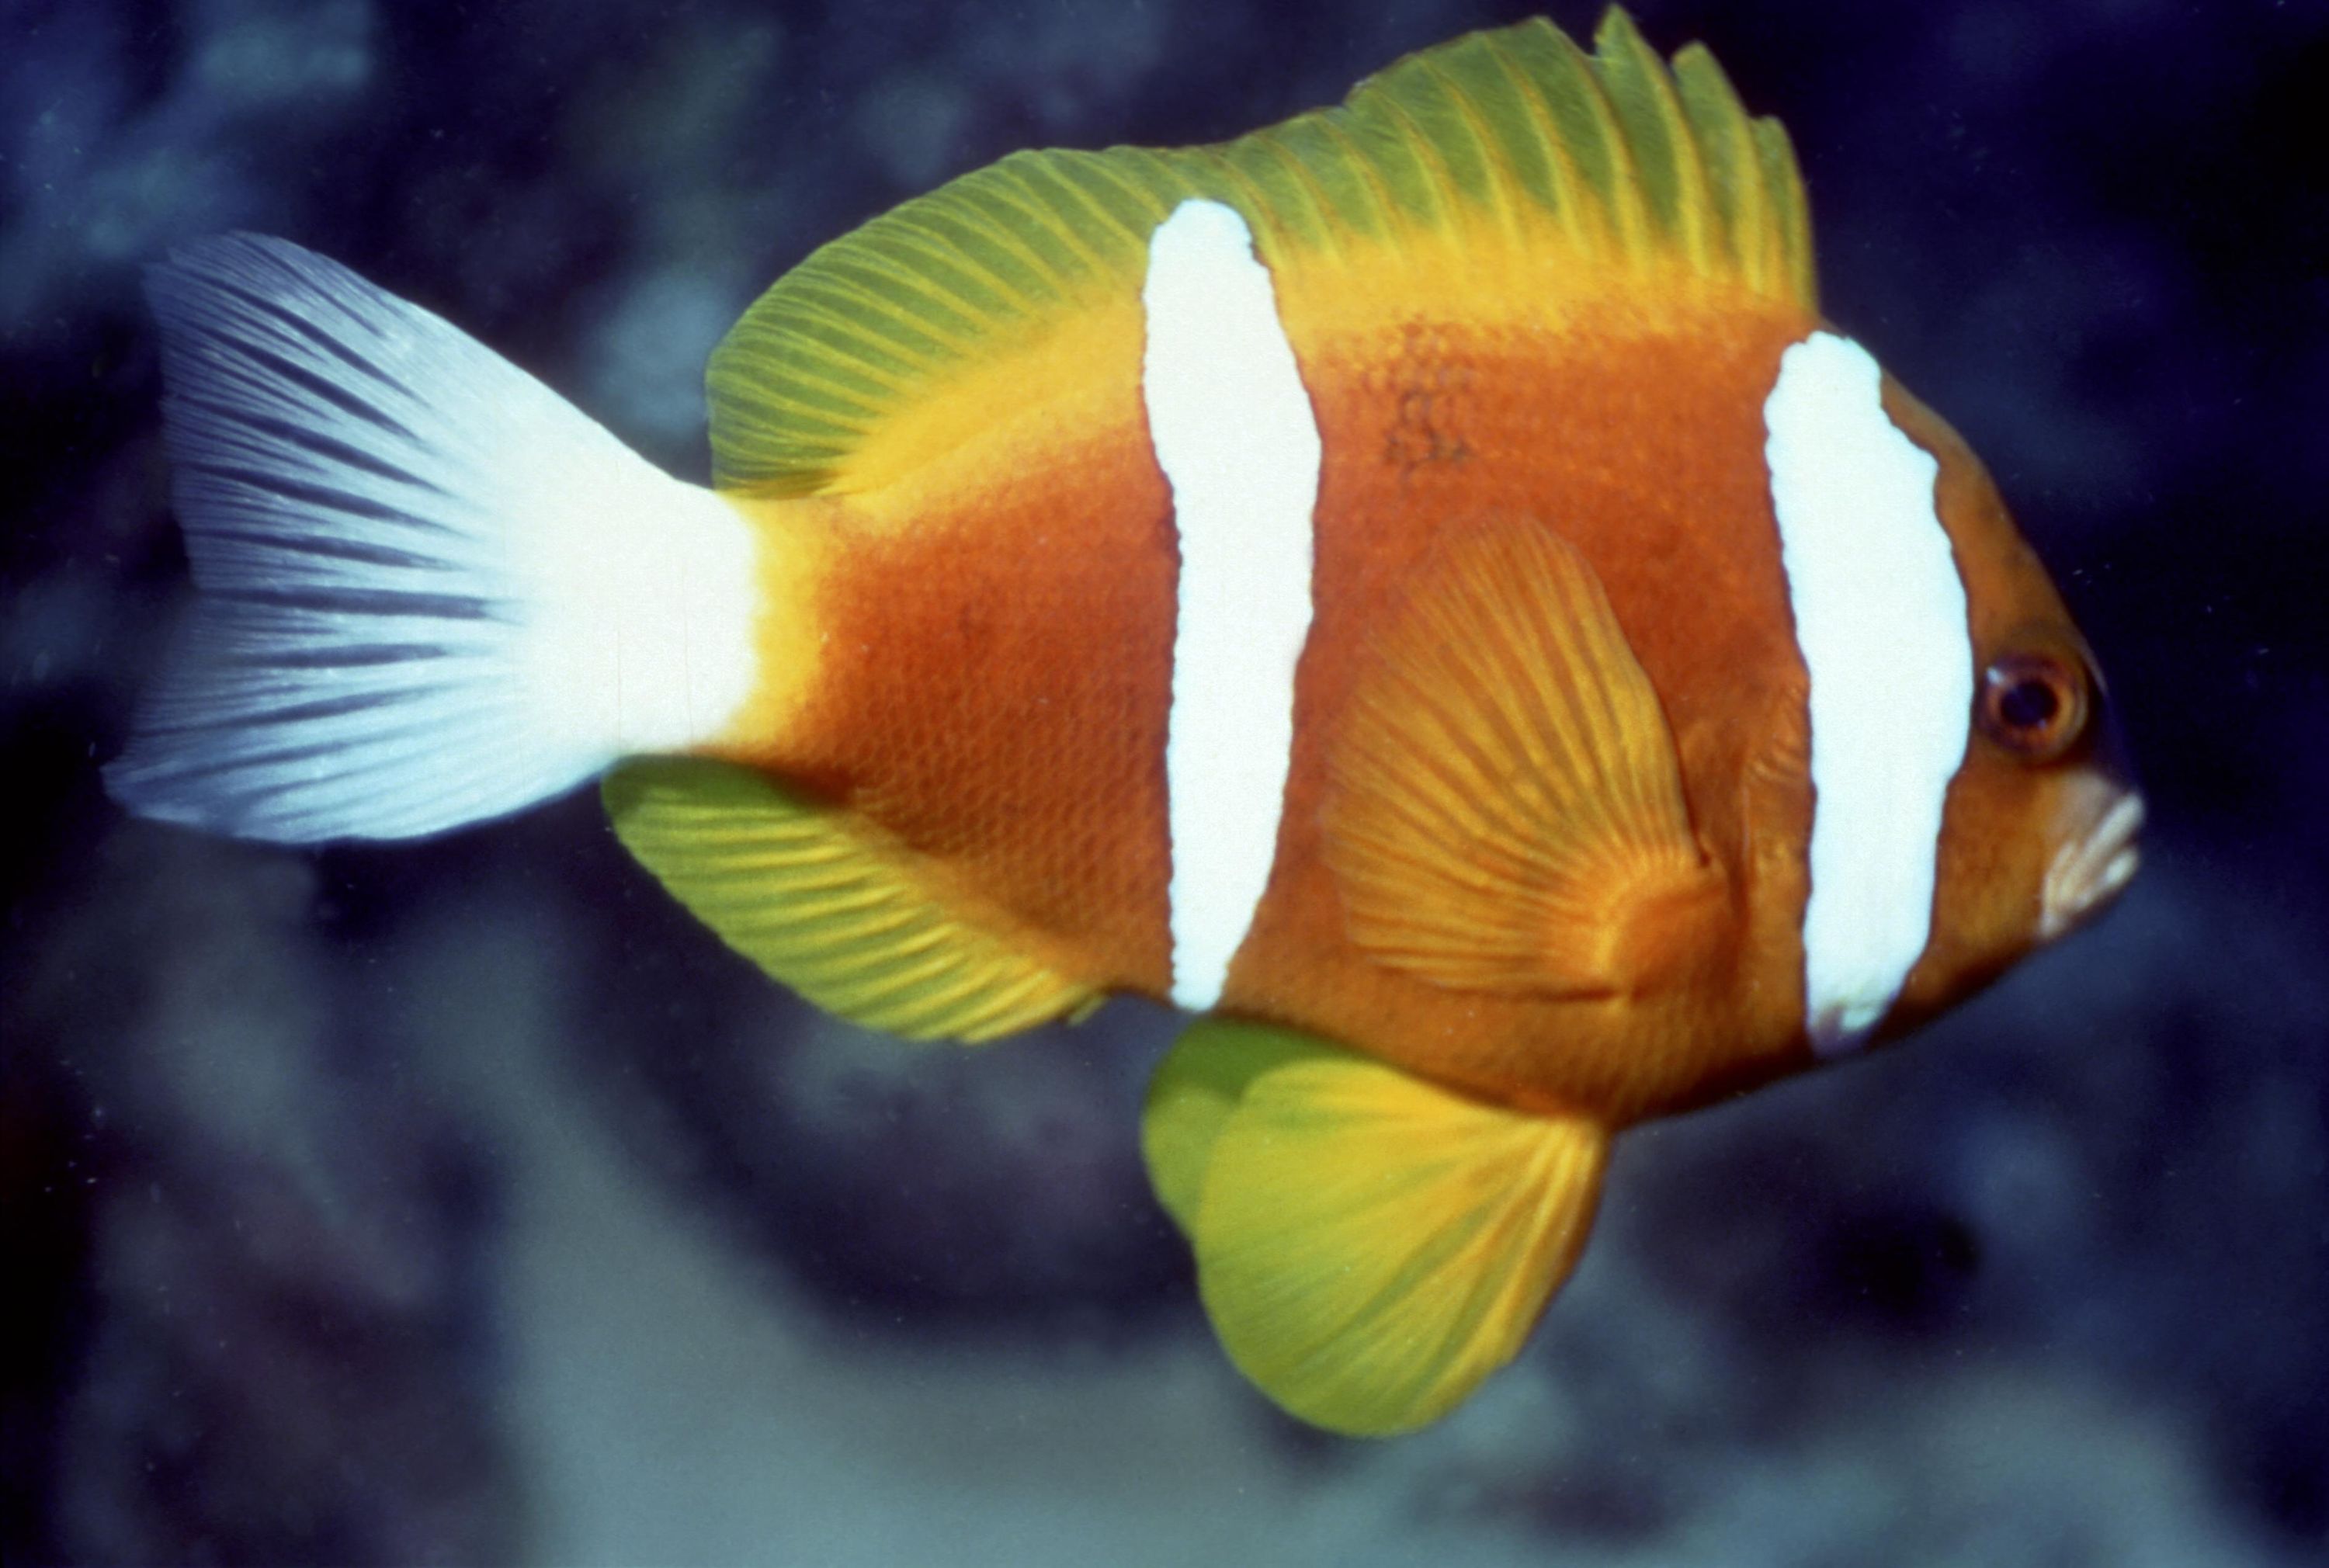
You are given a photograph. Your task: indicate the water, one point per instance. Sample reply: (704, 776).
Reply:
(465, 1203)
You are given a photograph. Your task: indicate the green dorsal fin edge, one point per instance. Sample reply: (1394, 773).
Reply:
(1513, 133)
(821, 901)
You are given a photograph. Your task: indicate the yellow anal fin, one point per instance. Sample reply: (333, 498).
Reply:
(1370, 1246)
(819, 900)
(1506, 811)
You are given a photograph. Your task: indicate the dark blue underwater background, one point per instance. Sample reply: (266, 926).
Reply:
(465, 1203)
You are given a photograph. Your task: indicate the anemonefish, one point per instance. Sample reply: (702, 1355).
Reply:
(1419, 587)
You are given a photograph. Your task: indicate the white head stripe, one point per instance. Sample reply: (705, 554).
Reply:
(1238, 443)
(1881, 618)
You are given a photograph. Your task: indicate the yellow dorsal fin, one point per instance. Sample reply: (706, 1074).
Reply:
(1506, 810)
(1369, 1246)
(822, 903)
(1507, 155)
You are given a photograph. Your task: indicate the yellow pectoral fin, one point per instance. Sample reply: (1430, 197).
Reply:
(1370, 1246)
(826, 905)
(1507, 811)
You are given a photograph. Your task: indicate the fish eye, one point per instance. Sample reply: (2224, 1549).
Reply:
(2033, 704)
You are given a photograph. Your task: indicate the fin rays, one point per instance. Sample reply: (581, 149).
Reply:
(353, 475)
(1369, 1246)
(1505, 792)
(823, 905)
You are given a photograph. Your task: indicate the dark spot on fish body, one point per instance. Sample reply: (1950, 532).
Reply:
(1416, 440)
(1429, 384)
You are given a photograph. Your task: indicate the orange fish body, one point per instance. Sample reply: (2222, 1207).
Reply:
(1419, 586)
(1022, 636)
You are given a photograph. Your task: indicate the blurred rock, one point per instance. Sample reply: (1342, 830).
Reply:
(284, 1243)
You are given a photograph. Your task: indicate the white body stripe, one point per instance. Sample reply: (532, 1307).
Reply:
(1881, 618)
(1237, 442)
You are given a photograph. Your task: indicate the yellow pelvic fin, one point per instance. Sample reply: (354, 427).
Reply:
(1370, 1246)
(1505, 810)
(1191, 1096)
(822, 903)
(1508, 153)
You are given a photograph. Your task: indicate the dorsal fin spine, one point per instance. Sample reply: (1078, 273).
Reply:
(947, 282)
(1489, 71)
(1462, 158)
(1365, 179)
(941, 235)
(1264, 164)
(1043, 180)
(1564, 181)
(825, 302)
(1405, 161)
(1785, 182)
(811, 316)
(1256, 198)
(856, 361)
(974, 238)
(1492, 155)
(1343, 226)
(1572, 94)
(1629, 75)
(1042, 250)
(1009, 190)
(846, 279)
(1346, 225)
(952, 243)
(1139, 213)
(1705, 227)
(1630, 200)
(1721, 127)
(938, 295)
(824, 417)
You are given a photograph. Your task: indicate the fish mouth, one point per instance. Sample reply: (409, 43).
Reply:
(2092, 869)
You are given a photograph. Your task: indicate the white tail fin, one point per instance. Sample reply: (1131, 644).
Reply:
(432, 590)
